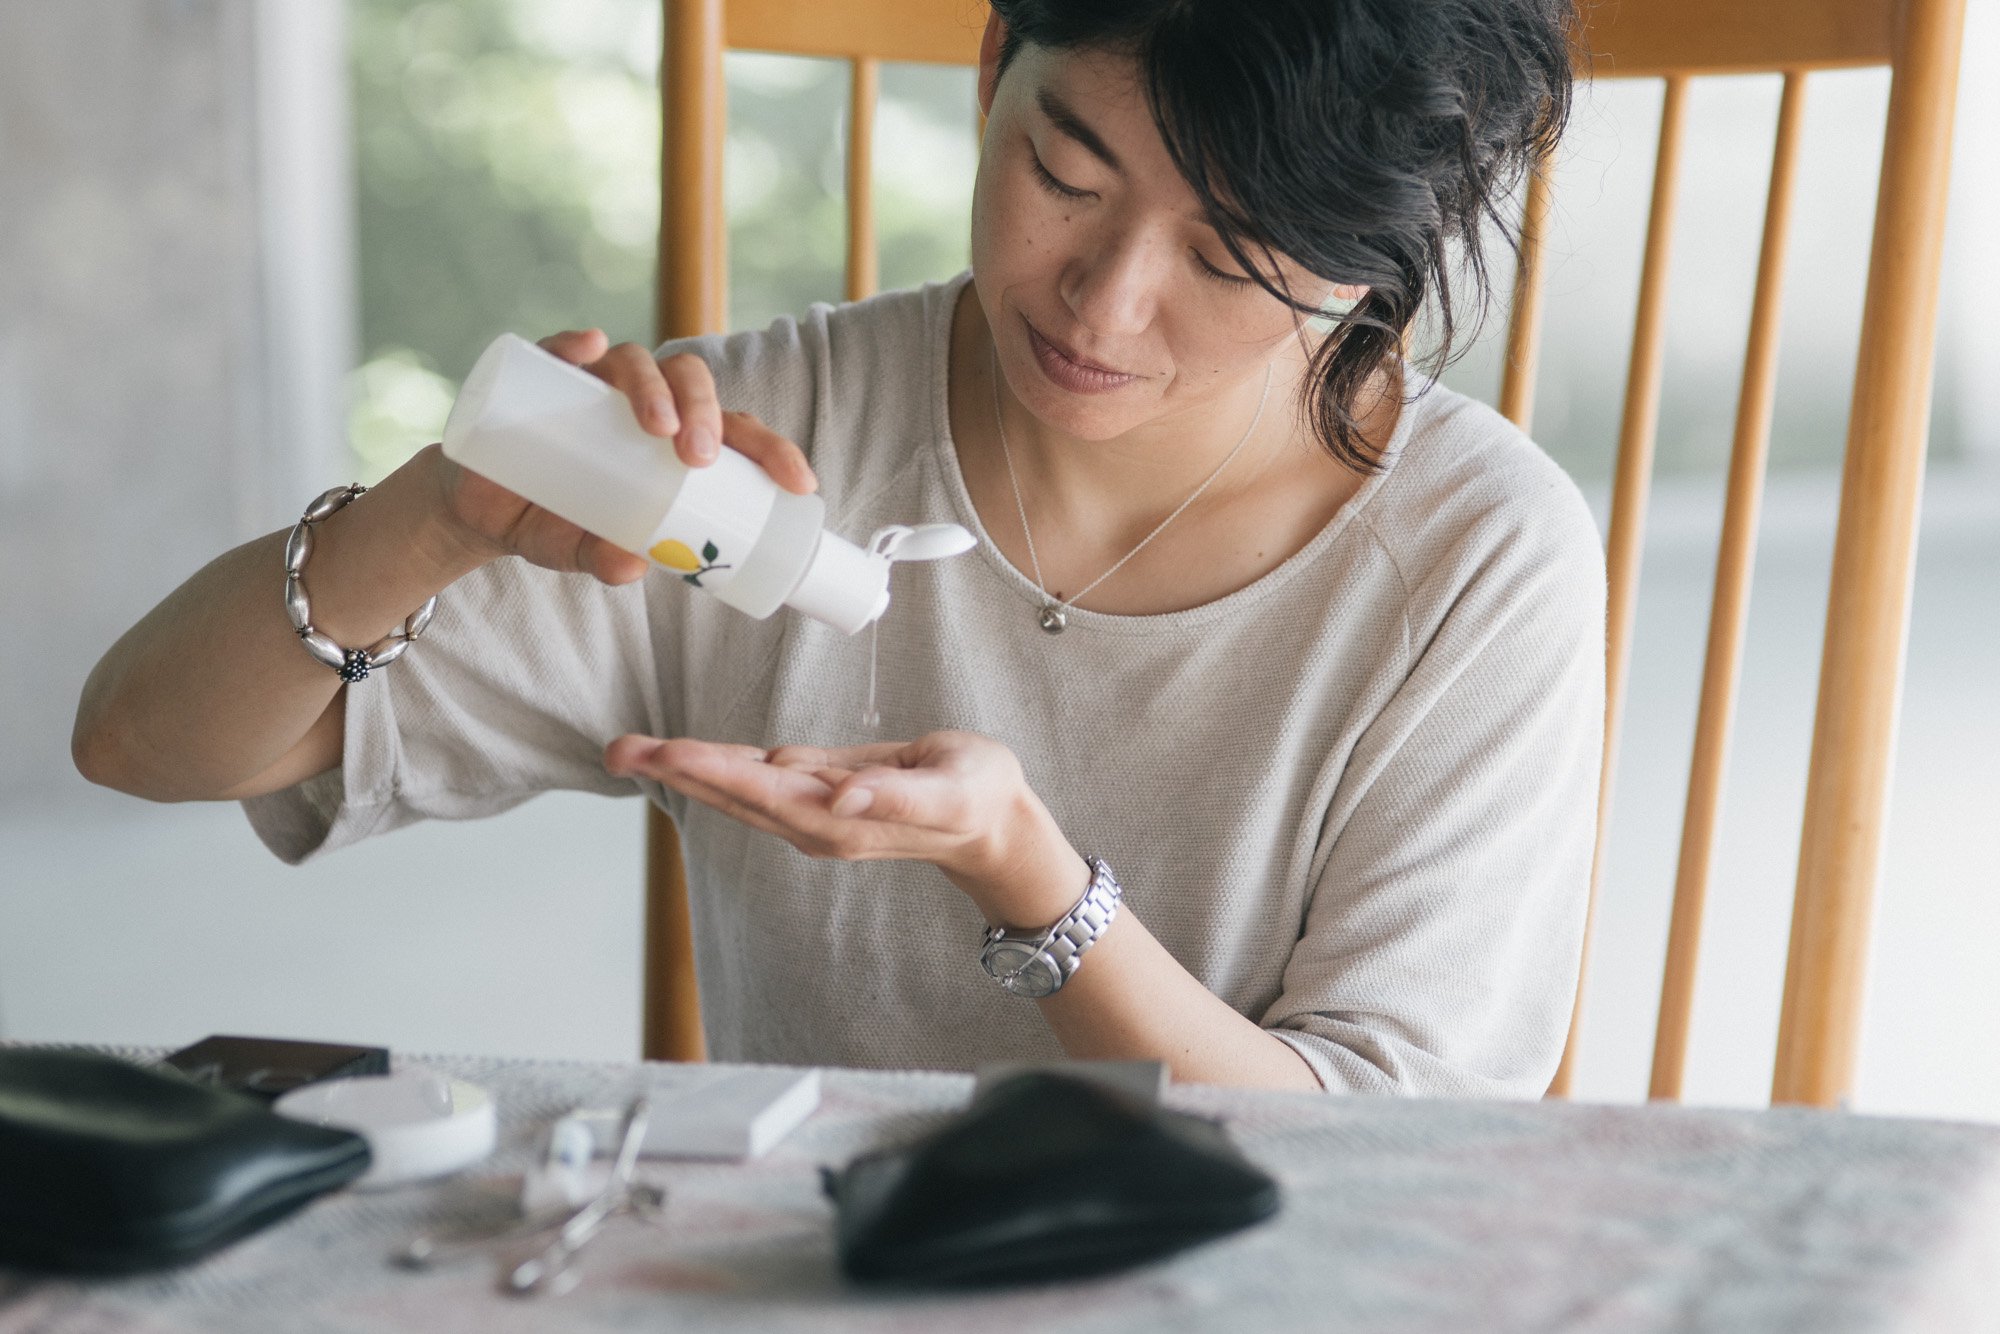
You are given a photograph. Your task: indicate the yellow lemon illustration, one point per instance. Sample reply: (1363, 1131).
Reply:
(678, 555)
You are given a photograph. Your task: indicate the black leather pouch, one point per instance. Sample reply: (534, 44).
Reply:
(1044, 1177)
(110, 1167)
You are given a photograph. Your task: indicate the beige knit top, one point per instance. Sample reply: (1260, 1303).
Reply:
(1356, 798)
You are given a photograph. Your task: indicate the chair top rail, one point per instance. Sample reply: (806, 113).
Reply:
(1625, 38)
(1654, 38)
(926, 32)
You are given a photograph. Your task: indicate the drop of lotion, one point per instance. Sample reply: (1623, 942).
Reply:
(870, 718)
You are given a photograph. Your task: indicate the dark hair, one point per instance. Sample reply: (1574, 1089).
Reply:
(1359, 138)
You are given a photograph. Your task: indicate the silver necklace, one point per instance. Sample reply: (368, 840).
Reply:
(1052, 614)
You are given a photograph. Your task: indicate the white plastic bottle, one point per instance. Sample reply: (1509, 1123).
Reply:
(557, 435)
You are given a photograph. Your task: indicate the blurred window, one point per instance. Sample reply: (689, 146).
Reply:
(508, 155)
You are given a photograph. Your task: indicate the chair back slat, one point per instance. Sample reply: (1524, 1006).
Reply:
(864, 87)
(1524, 316)
(1654, 38)
(693, 298)
(693, 293)
(1730, 609)
(1867, 623)
(1638, 428)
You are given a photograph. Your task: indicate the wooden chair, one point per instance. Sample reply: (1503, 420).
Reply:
(1673, 40)
(1875, 544)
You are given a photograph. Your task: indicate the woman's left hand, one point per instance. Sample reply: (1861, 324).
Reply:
(955, 799)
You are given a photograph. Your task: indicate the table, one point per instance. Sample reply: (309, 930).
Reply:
(1398, 1216)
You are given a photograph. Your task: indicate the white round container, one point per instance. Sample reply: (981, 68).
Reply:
(418, 1123)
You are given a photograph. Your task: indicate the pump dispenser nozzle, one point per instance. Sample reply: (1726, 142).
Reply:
(847, 586)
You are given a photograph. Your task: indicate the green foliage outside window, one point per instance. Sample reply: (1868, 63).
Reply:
(507, 160)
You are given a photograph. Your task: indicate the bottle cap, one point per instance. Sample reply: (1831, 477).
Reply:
(843, 585)
(848, 586)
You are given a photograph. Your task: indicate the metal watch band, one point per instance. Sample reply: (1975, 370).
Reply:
(1037, 963)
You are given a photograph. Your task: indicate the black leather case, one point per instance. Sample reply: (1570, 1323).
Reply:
(1045, 1177)
(110, 1167)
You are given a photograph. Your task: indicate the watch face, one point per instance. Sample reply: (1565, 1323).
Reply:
(1037, 975)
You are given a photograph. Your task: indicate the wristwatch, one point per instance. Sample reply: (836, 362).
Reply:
(1037, 963)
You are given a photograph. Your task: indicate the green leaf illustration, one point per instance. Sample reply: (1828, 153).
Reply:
(694, 579)
(709, 551)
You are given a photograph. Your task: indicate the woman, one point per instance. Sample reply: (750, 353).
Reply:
(1309, 654)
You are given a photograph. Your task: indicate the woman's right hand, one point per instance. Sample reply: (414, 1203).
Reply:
(673, 399)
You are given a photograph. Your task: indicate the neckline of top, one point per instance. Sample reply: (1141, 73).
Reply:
(939, 317)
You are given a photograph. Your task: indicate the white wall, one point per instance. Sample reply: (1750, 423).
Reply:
(175, 317)
(1969, 335)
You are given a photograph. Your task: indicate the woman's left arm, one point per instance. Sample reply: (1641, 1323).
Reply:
(960, 801)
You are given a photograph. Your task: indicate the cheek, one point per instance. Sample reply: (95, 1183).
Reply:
(1016, 227)
(1220, 349)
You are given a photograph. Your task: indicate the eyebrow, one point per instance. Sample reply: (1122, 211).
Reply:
(1066, 120)
(1063, 118)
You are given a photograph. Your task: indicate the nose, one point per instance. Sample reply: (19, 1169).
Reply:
(1113, 286)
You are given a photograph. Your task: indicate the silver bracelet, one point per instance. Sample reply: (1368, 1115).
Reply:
(353, 664)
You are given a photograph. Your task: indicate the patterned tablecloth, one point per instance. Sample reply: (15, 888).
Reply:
(1397, 1216)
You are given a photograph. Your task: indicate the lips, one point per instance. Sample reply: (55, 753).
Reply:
(1071, 371)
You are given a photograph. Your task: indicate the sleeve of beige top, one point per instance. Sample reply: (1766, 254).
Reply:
(525, 674)
(1444, 932)
(520, 681)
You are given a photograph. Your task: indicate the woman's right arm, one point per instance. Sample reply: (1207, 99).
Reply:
(212, 697)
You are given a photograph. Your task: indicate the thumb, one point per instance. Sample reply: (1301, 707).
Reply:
(579, 347)
(854, 800)
(921, 797)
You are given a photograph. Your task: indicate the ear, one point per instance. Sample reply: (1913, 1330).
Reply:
(1350, 292)
(990, 42)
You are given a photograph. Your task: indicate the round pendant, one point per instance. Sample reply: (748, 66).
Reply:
(1053, 619)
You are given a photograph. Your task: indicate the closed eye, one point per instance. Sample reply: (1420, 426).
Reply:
(1051, 184)
(1233, 279)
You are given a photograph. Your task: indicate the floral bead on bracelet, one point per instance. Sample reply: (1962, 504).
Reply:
(353, 664)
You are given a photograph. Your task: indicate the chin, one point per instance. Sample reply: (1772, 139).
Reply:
(1091, 421)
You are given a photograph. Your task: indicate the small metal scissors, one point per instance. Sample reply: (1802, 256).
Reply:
(550, 1270)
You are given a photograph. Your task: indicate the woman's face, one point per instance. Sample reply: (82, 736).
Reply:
(1113, 304)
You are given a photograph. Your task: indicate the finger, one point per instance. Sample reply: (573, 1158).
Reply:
(632, 370)
(579, 347)
(638, 754)
(735, 808)
(768, 787)
(610, 564)
(814, 760)
(792, 796)
(867, 755)
(630, 756)
(699, 439)
(808, 826)
(921, 798)
(798, 757)
(804, 759)
(787, 803)
(772, 452)
(846, 758)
